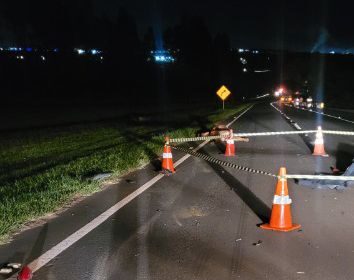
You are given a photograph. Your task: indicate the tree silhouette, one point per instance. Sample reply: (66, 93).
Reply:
(149, 39)
(192, 37)
(123, 37)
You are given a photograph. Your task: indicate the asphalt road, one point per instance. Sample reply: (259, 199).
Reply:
(202, 222)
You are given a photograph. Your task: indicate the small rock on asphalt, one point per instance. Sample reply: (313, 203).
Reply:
(259, 242)
(130, 181)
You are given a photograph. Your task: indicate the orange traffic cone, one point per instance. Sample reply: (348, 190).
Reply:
(319, 144)
(167, 163)
(230, 145)
(280, 219)
(25, 274)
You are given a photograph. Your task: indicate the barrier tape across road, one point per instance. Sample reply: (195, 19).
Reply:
(261, 172)
(223, 163)
(348, 133)
(321, 177)
(272, 133)
(195, 139)
(203, 138)
(333, 132)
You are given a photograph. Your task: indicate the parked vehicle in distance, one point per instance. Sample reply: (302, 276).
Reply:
(286, 99)
(309, 103)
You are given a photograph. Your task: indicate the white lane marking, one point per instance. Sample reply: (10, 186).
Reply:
(240, 115)
(52, 253)
(276, 108)
(297, 126)
(327, 115)
(289, 119)
(338, 118)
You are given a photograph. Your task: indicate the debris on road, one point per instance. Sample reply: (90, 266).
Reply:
(129, 181)
(5, 270)
(259, 242)
(237, 240)
(331, 184)
(9, 268)
(14, 265)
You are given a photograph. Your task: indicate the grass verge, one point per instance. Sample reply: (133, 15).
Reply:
(42, 170)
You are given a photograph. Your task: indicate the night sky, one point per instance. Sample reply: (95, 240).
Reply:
(296, 25)
(311, 25)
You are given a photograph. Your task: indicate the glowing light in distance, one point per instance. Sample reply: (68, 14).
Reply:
(95, 52)
(80, 51)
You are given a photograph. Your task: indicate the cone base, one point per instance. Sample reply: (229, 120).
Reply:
(167, 171)
(268, 227)
(229, 155)
(320, 155)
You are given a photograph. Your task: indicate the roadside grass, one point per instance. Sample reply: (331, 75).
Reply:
(42, 170)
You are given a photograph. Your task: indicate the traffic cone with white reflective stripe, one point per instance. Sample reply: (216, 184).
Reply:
(167, 162)
(280, 219)
(230, 145)
(319, 144)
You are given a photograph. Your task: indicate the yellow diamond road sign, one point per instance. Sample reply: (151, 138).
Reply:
(223, 93)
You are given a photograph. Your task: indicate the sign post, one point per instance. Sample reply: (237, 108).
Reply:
(223, 93)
